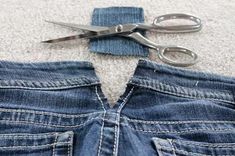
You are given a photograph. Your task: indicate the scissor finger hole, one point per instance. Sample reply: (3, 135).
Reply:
(178, 56)
(173, 23)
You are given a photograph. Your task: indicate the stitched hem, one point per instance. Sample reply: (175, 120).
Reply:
(183, 91)
(53, 150)
(48, 85)
(29, 141)
(3, 110)
(183, 131)
(46, 65)
(167, 149)
(117, 133)
(103, 119)
(201, 144)
(178, 146)
(148, 64)
(29, 147)
(49, 125)
(178, 122)
(49, 119)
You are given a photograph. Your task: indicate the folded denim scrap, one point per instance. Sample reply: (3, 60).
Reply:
(117, 45)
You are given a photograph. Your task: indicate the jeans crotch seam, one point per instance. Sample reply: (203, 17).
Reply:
(117, 127)
(103, 119)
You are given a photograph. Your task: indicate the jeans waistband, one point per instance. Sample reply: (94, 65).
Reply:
(46, 74)
(167, 79)
(182, 82)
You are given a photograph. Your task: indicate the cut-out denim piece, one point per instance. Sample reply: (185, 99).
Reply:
(117, 45)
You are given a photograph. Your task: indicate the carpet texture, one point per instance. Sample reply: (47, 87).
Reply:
(22, 27)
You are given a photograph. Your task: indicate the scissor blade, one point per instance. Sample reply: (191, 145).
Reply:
(110, 31)
(141, 39)
(79, 26)
(67, 38)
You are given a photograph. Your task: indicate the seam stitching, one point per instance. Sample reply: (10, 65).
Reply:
(26, 136)
(115, 139)
(148, 64)
(186, 152)
(54, 146)
(55, 65)
(47, 113)
(47, 88)
(172, 146)
(178, 132)
(51, 125)
(162, 84)
(115, 147)
(183, 95)
(165, 148)
(68, 151)
(70, 148)
(177, 122)
(103, 118)
(214, 145)
(34, 146)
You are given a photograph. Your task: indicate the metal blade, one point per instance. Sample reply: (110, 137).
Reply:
(86, 35)
(79, 26)
(106, 31)
(141, 39)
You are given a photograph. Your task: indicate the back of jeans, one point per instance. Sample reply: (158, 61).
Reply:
(181, 112)
(46, 109)
(58, 109)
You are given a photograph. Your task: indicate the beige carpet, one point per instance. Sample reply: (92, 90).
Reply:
(22, 27)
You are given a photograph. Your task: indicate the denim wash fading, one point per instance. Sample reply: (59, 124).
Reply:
(58, 109)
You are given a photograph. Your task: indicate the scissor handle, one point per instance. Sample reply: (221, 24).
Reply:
(177, 28)
(174, 49)
(162, 50)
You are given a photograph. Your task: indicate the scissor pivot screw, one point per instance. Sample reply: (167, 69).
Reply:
(119, 28)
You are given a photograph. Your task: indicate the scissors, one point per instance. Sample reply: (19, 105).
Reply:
(129, 31)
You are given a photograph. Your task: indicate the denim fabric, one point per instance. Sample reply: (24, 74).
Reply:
(117, 45)
(58, 109)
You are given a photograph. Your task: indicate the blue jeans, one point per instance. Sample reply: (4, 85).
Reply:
(58, 109)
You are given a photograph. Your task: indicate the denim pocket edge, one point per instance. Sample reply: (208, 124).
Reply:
(175, 147)
(58, 142)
